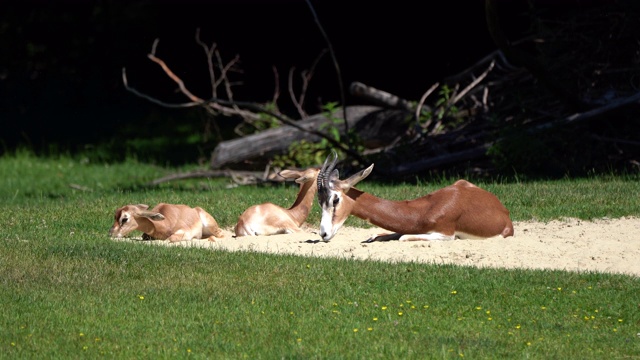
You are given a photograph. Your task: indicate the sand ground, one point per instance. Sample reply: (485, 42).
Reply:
(604, 245)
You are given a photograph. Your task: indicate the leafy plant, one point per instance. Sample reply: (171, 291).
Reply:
(444, 112)
(304, 153)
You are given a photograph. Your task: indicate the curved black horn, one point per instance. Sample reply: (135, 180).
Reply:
(325, 173)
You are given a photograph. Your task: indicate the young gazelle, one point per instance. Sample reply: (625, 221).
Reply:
(271, 219)
(166, 222)
(461, 210)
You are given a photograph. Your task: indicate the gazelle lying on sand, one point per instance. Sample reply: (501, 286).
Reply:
(166, 222)
(271, 219)
(460, 210)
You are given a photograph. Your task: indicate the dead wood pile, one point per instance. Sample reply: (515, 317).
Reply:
(563, 98)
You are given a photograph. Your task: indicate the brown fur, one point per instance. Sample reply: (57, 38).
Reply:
(166, 222)
(271, 219)
(458, 210)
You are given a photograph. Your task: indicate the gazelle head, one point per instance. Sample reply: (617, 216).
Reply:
(301, 177)
(336, 206)
(125, 219)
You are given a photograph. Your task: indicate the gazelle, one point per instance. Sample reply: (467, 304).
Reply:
(271, 219)
(460, 210)
(166, 222)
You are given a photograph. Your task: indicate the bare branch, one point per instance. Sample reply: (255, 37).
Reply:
(276, 90)
(171, 74)
(209, 52)
(473, 83)
(154, 100)
(306, 76)
(424, 98)
(248, 111)
(225, 69)
(292, 94)
(336, 65)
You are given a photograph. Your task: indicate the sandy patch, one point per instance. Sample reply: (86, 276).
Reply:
(605, 245)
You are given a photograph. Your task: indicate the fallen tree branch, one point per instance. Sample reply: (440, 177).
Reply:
(248, 111)
(422, 100)
(378, 97)
(612, 106)
(277, 140)
(409, 168)
(473, 84)
(258, 175)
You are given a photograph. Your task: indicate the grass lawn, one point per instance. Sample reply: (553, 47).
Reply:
(68, 291)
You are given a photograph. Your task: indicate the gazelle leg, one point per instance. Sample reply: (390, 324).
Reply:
(429, 236)
(179, 235)
(209, 224)
(383, 237)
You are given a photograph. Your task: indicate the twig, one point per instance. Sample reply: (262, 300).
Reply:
(339, 75)
(276, 89)
(233, 174)
(152, 99)
(226, 107)
(174, 77)
(424, 98)
(292, 94)
(209, 52)
(473, 83)
(306, 76)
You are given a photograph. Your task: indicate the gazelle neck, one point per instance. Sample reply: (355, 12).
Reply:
(302, 206)
(392, 215)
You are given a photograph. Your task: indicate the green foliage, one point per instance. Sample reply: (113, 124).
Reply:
(304, 153)
(301, 154)
(71, 292)
(263, 122)
(442, 104)
(442, 110)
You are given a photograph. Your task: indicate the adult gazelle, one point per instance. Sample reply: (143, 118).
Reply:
(461, 210)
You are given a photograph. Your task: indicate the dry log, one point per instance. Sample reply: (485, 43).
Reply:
(613, 106)
(205, 174)
(378, 96)
(277, 140)
(422, 165)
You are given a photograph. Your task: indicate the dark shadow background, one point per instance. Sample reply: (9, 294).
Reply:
(60, 64)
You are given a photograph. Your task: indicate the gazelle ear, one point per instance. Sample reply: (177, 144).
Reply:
(142, 206)
(356, 178)
(304, 178)
(307, 175)
(335, 175)
(290, 174)
(152, 215)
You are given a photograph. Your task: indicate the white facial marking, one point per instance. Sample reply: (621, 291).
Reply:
(328, 228)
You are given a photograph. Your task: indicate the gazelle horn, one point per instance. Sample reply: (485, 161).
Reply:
(325, 172)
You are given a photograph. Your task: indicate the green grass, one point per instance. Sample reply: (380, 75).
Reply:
(68, 291)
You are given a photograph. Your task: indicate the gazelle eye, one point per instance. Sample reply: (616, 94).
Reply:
(336, 200)
(123, 220)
